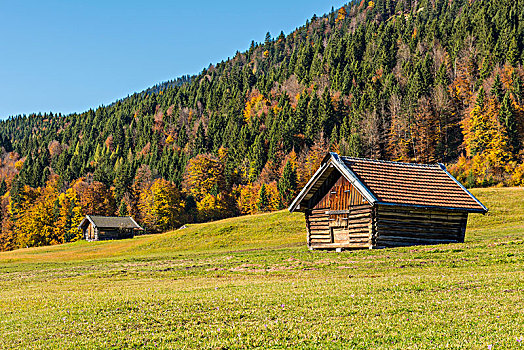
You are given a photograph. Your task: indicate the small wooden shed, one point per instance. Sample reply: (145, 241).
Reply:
(97, 228)
(365, 203)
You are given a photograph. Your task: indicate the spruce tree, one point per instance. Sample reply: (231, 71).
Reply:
(200, 140)
(287, 184)
(3, 187)
(263, 199)
(507, 119)
(122, 209)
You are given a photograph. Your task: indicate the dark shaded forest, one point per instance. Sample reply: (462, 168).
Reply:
(418, 81)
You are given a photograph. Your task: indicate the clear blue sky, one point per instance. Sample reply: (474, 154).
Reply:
(70, 55)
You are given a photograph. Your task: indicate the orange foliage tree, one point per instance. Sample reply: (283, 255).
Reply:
(95, 197)
(341, 14)
(310, 161)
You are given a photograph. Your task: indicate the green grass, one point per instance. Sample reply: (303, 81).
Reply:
(250, 282)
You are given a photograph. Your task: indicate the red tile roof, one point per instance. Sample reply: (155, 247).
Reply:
(411, 184)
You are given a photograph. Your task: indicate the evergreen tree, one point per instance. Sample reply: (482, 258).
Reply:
(122, 209)
(200, 140)
(263, 199)
(3, 187)
(508, 120)
(287, 184)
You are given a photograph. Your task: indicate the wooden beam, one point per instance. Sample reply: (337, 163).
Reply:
(341, 245)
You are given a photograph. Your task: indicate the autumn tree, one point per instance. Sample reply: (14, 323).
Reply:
(311, 161)
(162, 206)
(341, 14)
(70, 216)
(426, 133)
(215, 207)
(95, 197)
(37, 226)
(204, 175)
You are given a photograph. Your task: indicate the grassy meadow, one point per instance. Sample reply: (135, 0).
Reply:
(250, 282)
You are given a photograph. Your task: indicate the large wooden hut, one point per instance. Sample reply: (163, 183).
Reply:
(364, 203)
(97, 228)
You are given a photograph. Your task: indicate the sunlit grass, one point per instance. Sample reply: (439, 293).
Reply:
(250, 282)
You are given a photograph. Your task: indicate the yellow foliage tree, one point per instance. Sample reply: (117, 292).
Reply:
(312, 162)
(486, 141)
(249, 197)
(255, 106)
(36, 225)
(204, 175)
(215, 207)
(161, 206)
(70, 216)
(341, 14)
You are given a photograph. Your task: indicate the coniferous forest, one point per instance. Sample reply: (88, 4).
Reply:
(418, 81)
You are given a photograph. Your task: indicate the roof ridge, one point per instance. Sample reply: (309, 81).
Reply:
(435, 165)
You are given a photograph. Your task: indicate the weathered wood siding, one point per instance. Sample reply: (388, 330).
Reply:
(90, 233)
(341, 219)
(105, 234)
(396, 226)
(317, 222)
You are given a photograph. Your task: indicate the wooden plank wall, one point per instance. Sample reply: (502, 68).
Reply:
(359, 225)
(399, 226)
(341, 219)
(114, 234)
(90, 232)
(317, 222)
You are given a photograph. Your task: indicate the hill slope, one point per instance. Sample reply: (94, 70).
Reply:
(262, 231)
(244, 283)
(421, 81)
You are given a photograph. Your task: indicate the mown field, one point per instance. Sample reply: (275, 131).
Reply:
(250, 282)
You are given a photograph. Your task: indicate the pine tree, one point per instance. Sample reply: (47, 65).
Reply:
(508, 120)
(497, 90)
(3, 187)
(287, 184)
(263, 199)
(122, 209)
(200, 140)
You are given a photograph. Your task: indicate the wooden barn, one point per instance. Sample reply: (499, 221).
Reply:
(98, 228)
(364, 203)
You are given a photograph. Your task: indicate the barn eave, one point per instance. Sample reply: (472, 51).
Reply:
(485, 209)
(85, 221)
(429, 207)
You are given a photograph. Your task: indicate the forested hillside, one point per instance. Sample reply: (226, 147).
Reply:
(422, 81)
